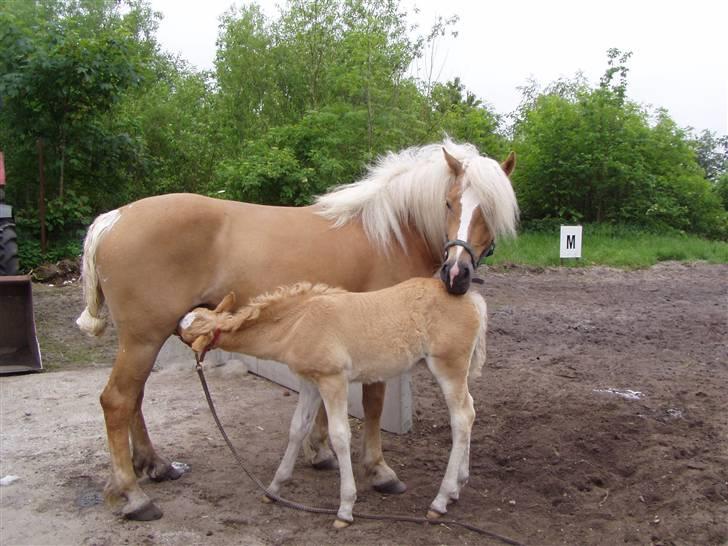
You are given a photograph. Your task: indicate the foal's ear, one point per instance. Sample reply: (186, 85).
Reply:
(201, 343)
(455, 166)
(509, 164)
(227, 303)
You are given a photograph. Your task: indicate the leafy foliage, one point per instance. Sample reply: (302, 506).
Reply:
(303, 100)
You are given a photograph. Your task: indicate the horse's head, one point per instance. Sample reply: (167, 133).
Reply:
(469, 238)
(201, 327)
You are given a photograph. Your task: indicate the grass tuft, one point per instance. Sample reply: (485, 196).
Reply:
(614, 246)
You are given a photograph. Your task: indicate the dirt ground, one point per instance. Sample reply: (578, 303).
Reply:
(562, 451)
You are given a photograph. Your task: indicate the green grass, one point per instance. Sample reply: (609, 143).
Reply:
(611, 246)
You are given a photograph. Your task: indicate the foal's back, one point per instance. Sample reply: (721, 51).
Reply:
(377, 335)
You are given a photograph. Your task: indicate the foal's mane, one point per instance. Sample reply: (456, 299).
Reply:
(282, 295)
(409, 188)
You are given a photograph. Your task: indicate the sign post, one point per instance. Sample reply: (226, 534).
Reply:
(570, 242)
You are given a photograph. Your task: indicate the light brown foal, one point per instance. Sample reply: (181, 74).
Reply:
(330, 337)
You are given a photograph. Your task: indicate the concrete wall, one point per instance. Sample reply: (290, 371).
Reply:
(397, 413)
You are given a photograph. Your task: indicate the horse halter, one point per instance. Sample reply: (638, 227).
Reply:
(471, 251)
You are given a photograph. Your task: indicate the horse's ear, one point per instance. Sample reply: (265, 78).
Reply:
(201, 343)
(455, 166)
(509, 164)
(227, 303)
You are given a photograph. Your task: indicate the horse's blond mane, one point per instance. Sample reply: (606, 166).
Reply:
(409, 188)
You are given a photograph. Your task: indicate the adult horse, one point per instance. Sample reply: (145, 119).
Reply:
(155, 259)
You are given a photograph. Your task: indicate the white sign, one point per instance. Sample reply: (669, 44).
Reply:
(570, 242)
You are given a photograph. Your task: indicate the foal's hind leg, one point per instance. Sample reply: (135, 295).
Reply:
(381, 476)
(119, 401)
(145, 458)
(316, 445)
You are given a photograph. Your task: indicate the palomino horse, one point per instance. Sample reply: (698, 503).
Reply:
(153, 260)
(330, 337)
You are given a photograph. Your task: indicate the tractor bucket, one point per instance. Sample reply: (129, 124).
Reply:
(19, 350)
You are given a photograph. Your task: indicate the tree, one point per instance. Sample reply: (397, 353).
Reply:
(591, 155)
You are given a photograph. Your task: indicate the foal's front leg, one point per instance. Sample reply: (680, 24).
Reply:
(334, 391)
(462, 415)
(303, 417)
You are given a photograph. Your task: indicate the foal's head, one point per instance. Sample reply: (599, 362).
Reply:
(469, 237)
(200, 327)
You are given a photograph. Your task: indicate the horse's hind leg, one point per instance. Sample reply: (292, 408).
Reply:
(145, 458)
(303, 418)
(381, 476)
(119, 401)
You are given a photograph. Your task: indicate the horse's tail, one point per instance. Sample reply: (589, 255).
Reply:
(91, 320)
(478, 358)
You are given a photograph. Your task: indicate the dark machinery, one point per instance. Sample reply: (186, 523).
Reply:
(19, 350)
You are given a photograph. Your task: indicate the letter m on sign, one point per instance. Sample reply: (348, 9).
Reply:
(570, 242)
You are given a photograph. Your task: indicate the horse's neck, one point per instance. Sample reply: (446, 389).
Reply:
(387, 267)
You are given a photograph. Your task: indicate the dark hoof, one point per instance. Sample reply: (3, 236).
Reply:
(392, 487)
(327, 464)
(148, 512)
(173, 472)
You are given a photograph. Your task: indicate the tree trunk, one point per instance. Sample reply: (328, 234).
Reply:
(41, 197)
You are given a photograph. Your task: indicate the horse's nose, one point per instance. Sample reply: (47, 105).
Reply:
(456, 277)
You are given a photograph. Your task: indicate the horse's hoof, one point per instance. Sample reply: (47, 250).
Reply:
(148, 512)
(392, 487)
(327, 464)
(341, 524)
(432, 514)
(265, 499)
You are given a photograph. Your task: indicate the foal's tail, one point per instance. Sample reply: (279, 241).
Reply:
(91, 320)
(478, 358)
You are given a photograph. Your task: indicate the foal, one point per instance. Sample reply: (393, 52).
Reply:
(330, 337)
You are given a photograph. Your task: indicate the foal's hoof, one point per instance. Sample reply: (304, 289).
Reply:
(265, 499)
(341, 524)
(432, 514)
(327, 464)
(148, 512)
(173, 471)
(392, 487)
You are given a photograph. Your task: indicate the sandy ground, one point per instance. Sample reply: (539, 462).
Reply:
(562, 453)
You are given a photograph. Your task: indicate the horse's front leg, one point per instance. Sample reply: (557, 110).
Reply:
(462, 416)
(334, 392)
(381, 476)
(303, 418)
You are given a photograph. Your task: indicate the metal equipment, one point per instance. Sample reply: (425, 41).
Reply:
(19, 350)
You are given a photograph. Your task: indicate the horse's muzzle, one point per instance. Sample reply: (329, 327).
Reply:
(457, 276)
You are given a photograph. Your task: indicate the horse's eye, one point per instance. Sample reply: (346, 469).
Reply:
(449, 206)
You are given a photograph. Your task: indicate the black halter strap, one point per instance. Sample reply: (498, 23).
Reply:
(471, 251)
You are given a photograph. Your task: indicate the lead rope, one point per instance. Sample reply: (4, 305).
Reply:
(321, 510)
